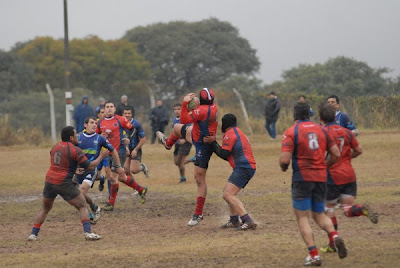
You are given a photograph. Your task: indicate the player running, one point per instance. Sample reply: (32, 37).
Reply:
(237, 150)
(112, 127)
(305, 143)
(137, 138)
(205, 123)
(342, 185)
(91, 144)
(65, 157)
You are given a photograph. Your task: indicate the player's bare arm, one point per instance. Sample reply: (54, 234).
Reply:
(284, 160)
(356, 151)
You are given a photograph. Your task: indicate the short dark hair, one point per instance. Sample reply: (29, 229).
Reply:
(327, 112)
(334, 97)
(109, 101)
(129, 108)
(177, 105)
(88, 118)
(99, 108)
(302, 96)
(67, 132)
(272, 93)
(301, 111)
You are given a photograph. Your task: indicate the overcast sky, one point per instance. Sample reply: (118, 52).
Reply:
(285, 33)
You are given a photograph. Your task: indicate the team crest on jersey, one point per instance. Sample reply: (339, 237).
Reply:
(95, 142)
(226, 137)
(197, 111)
(115, 125)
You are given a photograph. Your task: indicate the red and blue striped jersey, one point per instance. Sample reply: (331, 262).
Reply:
(204, 119)
(238, 144)
(308, 142)
(64, 159)
(342, 171)
(113, 128)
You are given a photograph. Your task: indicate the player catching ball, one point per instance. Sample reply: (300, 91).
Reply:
(205, 123)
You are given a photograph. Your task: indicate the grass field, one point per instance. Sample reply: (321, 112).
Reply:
(155, 234)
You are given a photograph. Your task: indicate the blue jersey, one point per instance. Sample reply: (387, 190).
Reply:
(344, 120)
(91, 144)
(135, 134)
(175, 121)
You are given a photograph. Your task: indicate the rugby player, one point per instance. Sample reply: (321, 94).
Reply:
(236, 149)
(182, 147)
(135, 139)
(104, 163)
(205, 123)
(342, 119)
(342, 185)
(65, 158)
(305, 144)
(112, 127)
(91, 144)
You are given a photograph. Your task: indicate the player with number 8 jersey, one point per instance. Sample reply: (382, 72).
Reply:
(308, 142)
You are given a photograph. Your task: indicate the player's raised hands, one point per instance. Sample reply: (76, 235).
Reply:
(189, 97)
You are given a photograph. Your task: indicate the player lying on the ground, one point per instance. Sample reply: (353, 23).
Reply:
(237, 150)
(205, 123)
(342, 184)
(65, 157)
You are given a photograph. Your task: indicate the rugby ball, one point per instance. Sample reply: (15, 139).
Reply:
(193, 104)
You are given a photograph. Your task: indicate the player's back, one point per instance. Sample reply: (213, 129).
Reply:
(205, 123)
(310, 142)
(342, 171)
(64, 159)
(239, 145)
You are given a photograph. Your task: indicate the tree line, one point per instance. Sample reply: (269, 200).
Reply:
(171, 59)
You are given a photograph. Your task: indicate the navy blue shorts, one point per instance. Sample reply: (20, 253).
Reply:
(241, 176)
(203, 154)
(308, 195)
(103, 163)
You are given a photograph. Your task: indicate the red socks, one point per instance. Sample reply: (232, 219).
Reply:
(131, 183)
(332, 238)
(200, 205)
(113, 195)
(334, 221)
(171, 140)
(354, 211)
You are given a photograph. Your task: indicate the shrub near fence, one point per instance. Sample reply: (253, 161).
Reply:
(373, 112)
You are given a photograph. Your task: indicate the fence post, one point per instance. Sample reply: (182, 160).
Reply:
(246, 117)
(52, 114)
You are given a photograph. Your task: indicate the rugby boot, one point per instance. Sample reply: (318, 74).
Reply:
(230, 224)
(163, 139)
(247, 225)
(92, 236)
(370, 213)
(316, 261)
(195, 220)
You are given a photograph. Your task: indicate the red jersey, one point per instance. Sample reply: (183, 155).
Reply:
(114, 128)
(204, 119)
(238, 144)
(342, 171)
(308, 142)
(64, 159)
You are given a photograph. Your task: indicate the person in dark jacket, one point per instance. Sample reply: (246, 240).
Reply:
(271, 113)
(123, 105)
(159, 117)
(82, 111)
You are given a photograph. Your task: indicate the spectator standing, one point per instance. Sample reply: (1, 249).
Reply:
(122, 105)
(159, 119)
(82, 111)
(102, 101)
(303, 99)
(271, 112)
